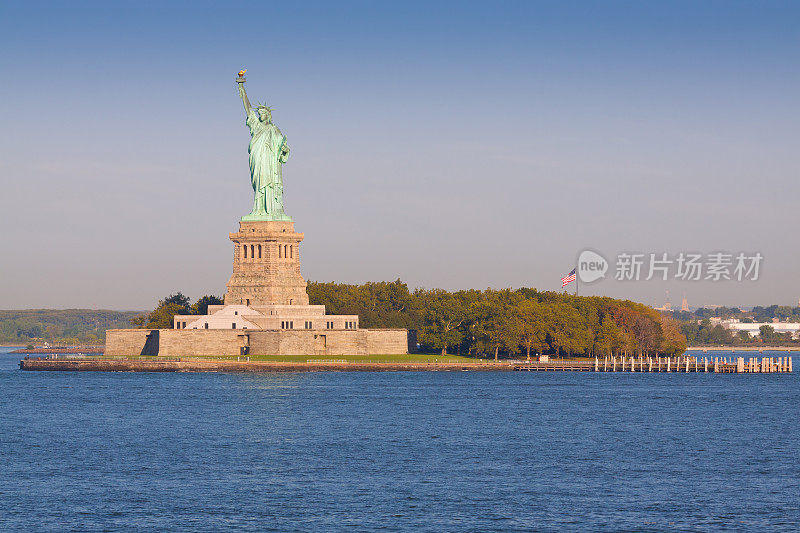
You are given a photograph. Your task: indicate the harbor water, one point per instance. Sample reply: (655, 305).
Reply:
(398, 451)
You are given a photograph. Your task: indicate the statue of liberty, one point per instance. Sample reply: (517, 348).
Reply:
(268, 151)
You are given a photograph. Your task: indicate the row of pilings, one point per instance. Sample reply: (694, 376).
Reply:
(723, 365)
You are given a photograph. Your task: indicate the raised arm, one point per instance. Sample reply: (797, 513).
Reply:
(243, 94)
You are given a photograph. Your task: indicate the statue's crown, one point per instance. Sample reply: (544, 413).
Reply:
(263, 106)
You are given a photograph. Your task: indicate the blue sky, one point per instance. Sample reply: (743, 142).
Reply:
(452, 145)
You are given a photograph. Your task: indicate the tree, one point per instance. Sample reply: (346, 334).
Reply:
(647, 335)
(495, 319)
(178, 298)
(530, 325)
(200, 307)
(720, 335)
(471, 300)
(162, 316)
(673, 342)
(379, 305)
(607, 338)
(767, 333)
(488, 322)
(565, 328)
(444, 315)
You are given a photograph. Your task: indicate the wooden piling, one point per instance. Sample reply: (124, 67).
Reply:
(721, 365)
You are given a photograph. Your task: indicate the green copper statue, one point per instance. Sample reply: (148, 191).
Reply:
(268, 151)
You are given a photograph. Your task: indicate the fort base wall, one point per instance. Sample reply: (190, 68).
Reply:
(219, 342)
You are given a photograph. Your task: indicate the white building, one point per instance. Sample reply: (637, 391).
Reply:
(753, 328)
(268, 317)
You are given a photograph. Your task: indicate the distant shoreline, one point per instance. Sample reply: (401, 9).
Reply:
(88, 350)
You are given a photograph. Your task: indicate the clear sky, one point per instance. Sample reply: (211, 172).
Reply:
(451, 145)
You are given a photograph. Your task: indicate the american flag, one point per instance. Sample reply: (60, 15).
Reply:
(569, 278)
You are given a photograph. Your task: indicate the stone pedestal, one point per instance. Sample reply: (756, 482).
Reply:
(266, 265)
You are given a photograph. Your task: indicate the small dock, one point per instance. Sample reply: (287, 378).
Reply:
(718, 365)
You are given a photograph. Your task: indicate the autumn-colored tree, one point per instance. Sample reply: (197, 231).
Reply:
(673, 342)
(494, 321)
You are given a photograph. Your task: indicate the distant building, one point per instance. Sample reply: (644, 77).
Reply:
(753, 328)
(684, 303)
(667, 305)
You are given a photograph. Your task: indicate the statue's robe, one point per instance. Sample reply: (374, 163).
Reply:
(266, 147)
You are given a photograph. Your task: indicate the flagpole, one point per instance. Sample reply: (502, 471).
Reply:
(576, 280)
